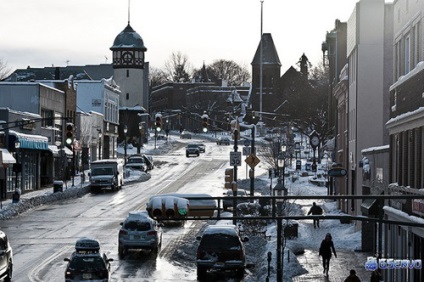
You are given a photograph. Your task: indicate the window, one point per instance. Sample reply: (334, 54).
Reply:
(407, 54)
(128, 96)
(128, 73)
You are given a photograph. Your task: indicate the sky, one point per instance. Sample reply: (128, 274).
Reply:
(80, 32)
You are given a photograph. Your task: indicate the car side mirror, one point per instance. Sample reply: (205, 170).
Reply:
(66, 259)
(121, 223)
(198, 238)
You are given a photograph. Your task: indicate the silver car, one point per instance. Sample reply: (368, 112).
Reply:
(139, 231)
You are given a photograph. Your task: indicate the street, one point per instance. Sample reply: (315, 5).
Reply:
(44, 236)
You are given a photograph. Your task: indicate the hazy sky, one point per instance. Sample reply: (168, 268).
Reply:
(40, 33)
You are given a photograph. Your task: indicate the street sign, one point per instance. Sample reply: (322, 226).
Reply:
(246, 151)
(235, 158)
(246, 142)
(252, 160)
(337, 172)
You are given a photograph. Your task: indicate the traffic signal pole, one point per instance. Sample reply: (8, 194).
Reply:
(234, 184)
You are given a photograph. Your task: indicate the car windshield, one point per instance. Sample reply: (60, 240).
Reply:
(137, 226)
(217, 240)
(102, 171)
(135, 160)
(192, 146)
(87, 262)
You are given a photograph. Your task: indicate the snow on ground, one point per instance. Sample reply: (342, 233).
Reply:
(344, 235)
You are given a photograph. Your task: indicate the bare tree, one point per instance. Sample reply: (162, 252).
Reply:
(228, 70)
(178, 68)
(5, 71)
(157, 77)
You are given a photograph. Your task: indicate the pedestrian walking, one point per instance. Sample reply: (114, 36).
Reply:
(325, 249)
(315, 210)
(352, 277)
(376, 276)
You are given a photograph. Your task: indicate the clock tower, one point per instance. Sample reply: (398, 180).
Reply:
(130, 72)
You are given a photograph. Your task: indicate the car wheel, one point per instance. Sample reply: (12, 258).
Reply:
(121, 252)
(240, 273)
(201, 272)
(9, 273)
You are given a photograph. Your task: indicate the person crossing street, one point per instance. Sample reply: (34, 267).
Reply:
(315, 210)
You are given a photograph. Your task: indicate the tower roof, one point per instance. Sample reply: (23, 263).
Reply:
(128, 39)
(269, 52)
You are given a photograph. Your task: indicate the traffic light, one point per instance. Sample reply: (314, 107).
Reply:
(167, 207)
(158, 122)
(69, 139)
(205, 118)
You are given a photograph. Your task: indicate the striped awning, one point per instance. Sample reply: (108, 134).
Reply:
(28, 141)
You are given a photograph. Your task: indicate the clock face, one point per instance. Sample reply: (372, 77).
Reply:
(127, 57)
(314, 140)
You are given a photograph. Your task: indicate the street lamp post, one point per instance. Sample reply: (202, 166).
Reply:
(125, 145)
(100, 143)
(280, 190)
(140, 142)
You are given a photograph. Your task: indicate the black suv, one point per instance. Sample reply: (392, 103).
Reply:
(6, 258)
(221, 248)
(86, 263)
(192, 149)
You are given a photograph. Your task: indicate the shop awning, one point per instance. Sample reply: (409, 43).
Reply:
(28, 141)
(56, 151)
(6, 157)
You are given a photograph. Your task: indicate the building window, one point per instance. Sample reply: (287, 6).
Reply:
(128, 73)
(407, 54)
(128, 96)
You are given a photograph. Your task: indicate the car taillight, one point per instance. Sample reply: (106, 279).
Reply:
(200, 254)
(123, 232)
(152, 233)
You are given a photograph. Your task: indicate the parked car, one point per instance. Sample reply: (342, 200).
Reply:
(228, 203)
(86, 262)
(6, 258)
(221, 248)
(139, 231)
(136, 162)
(224, 140)
(185, 135)
(202, 147)
(192, 149)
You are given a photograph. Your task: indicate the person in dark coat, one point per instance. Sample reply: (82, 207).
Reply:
(376, 276)
(352, 277)
(315, 210)
(325, 249)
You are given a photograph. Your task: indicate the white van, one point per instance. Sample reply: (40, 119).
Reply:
(107, 173)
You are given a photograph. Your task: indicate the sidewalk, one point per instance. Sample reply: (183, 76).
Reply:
(339, 267)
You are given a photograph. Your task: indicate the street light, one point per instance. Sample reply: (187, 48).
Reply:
(125, 145)
(100, 143)
(140, 141)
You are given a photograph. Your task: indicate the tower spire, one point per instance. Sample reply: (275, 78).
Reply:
(128, 11)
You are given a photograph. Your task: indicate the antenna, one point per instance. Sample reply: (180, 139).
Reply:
(106, 59)
(128, 11)
(67, 62)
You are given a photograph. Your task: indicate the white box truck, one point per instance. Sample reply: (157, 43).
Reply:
(106, 173)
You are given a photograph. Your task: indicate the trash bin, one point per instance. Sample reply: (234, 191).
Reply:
(57, 186)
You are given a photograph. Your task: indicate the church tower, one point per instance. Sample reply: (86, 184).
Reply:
(270, 74)
(129, 69)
